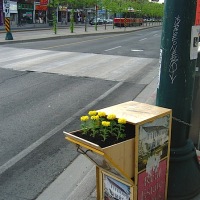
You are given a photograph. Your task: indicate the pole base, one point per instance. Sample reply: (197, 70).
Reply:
(184, 173)
(9, 36)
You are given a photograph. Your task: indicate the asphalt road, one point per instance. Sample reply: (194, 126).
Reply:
(42, 93)
(144, 43)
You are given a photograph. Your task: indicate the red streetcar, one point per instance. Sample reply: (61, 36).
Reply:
(127, 19)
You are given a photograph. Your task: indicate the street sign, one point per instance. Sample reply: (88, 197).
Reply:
(6, 6)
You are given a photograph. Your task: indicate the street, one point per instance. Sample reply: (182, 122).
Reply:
(143, 43)
(47, 85)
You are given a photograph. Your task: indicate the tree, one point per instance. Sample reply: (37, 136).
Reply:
(86, 4)
(74, 4)
(141, 7)
(53, 4)
(153, 10)
(111, 6)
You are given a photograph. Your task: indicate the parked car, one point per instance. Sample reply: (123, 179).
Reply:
(108, 21)
(97, 21)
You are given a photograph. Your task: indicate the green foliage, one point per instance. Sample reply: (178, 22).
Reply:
(54, 23)
(104, 133)
(105, 126)
(54, 4)
(153, 9)
(72, 21)
(120, 131)
(75, 4)
(141, 7)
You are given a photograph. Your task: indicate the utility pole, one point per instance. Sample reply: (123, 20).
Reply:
(195, 118)
(96, 12)
(175, 91)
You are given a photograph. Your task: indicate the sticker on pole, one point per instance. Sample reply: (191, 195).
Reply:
(6, 7)
(194, 42)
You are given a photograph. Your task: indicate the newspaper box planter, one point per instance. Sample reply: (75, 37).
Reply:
(136, 168)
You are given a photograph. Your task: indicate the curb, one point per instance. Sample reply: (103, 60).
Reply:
(85, 34)
(76, 181)
(20, 29)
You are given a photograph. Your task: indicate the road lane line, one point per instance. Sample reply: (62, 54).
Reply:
(90, 40)
(51, 133)
(112, 48)
(142, 39)
(137, 50)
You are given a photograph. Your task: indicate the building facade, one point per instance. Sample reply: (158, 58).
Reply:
(1, 13)
(38, 12)
(13, 12)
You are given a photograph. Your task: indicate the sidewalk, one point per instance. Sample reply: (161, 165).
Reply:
(33, 32)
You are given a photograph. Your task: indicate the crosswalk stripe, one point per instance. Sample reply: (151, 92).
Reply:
(109, 67)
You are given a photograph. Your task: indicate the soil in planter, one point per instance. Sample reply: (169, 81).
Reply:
(111, 140)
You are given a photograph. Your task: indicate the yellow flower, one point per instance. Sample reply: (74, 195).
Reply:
(122, 121)
(84, 118)
(101, 114)
(111, 117)
(92, 112)
(95, 117)
(105, 123)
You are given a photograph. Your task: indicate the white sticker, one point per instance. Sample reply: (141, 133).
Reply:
(195, 32)
(6, 8)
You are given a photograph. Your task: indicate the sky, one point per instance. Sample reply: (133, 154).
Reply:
(161, 1)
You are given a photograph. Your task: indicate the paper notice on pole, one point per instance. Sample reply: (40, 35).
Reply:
(195, 32)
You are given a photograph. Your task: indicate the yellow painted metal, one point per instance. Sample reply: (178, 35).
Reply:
(7, 24)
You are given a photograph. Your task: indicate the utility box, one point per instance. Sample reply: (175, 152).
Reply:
(136, 169)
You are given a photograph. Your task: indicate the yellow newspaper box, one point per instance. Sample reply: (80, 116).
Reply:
(137, 168)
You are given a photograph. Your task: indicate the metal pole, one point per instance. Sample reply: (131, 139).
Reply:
(195, 118)
(96, 17)
(175, 91)
(6, 4)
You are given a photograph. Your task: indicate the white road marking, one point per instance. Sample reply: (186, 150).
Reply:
(143, 39)
(108, 67)
(137, 50)
(113, 48)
